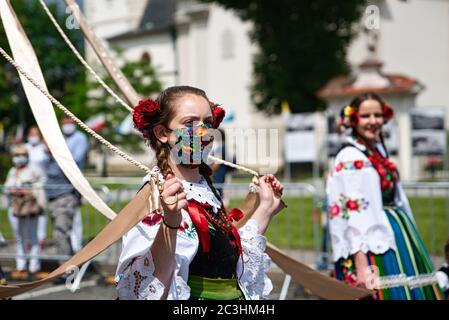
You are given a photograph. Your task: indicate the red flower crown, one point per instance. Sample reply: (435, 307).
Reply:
(147, 112)
(218, 114)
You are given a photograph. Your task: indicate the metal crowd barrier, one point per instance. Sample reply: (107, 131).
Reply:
(298, 229)
(92, 223)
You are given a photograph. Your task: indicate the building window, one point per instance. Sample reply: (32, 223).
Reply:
(227, 45)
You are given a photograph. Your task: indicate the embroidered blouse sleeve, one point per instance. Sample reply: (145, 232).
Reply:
(134, 275)
(357, 220)
(256, 263)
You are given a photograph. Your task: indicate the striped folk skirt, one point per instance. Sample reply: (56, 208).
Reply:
(404, 274)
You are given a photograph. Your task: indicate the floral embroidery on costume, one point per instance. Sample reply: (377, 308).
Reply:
(346, 205)
(135, 277)
(188, 229)
(153, 218)
(352, 165)
(348, 271)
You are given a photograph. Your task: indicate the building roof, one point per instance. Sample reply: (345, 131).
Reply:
(158, 16)
(343, 86)
(370, 78)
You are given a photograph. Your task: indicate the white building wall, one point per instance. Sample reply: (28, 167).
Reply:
(112, 17)
(159, 47)
(414, 40)
(230, 68)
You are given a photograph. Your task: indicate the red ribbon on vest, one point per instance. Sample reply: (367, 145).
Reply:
(197, 212)
(198, 215)
(236, 215)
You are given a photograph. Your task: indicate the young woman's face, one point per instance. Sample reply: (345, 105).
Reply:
(190, 110)
(370, 121)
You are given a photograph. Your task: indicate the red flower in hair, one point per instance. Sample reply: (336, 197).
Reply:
(219, 115)
(354, 119)
(387, 112)
(143, 115)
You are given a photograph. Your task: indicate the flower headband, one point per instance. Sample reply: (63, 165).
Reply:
(349, 115)
(146, 113)
(218, 114)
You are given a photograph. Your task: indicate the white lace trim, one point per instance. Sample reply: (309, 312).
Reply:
(138, 281)
(182, 288)
(377, 239)
(256, 262)
(200, 191)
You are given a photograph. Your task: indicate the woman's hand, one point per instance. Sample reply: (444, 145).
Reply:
(362, 269)
(172, 206)
(270, 192)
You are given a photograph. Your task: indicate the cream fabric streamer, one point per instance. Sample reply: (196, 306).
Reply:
(43, 110)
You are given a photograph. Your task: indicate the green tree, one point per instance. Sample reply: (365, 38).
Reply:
(64, 75)
(302, 45)
(142, 76)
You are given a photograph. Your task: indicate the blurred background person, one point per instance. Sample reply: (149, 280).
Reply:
(24, 185)
(64, 200)
(220, 172)
(371, 225)
(37, 156)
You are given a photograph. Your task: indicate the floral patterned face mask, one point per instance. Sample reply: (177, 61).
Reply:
(193, 144)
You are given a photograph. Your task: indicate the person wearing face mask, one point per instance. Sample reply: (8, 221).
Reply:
(192, 248)
(63, 199)
(375, 241)
(25, 188)
(37, 156)
(35, 147)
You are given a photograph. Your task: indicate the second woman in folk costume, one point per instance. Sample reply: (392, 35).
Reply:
(191, 249)
(374, 236)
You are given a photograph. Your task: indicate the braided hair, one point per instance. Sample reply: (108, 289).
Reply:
(148, 114)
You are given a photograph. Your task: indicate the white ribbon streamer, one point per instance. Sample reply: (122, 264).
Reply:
(43, 110)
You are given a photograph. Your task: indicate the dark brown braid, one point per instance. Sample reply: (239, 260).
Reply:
(162, 156)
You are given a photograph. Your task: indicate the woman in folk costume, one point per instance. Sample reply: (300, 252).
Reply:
(191, 249)
(374, 237)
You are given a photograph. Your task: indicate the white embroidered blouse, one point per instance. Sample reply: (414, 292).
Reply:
(134, 275)
(357, 218)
